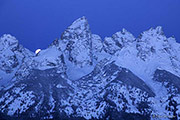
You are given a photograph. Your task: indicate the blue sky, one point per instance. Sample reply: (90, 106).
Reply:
(36, 23)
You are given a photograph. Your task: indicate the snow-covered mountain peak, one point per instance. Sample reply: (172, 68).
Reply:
(124, 37)
(11, 53)
(124, 31)
(12, 57)
(8, 41)
(151, 42)
(118, 41)
(10, 44)
(158, 31)
(77, 29)
(80, 22)
(77, 40)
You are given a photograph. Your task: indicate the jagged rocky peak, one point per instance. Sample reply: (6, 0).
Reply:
(78, 29)
(118, 41)
(150, 42)
(77, 39)
(124, 37)
(80, 23)
(10, 56)
(10, 44)
(13, 57)
(152, 35)
(158, 30)
(8, 41)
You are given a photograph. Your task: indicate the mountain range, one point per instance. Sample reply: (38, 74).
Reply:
(80, 76)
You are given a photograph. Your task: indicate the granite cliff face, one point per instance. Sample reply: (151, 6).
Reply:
(81, 76)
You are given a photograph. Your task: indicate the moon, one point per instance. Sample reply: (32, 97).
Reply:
(37, 51)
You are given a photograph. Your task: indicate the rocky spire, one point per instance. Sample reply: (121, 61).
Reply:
(78, 40)
(118, 41)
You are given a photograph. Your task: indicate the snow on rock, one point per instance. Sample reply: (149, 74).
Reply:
(12, 56)
(97, 43)
(21, 103)
(8, 59)
(118, 41)
(49, 58)
(78, 43)
(148, 53)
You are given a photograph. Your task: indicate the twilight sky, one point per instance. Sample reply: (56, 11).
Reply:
(36, 23)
